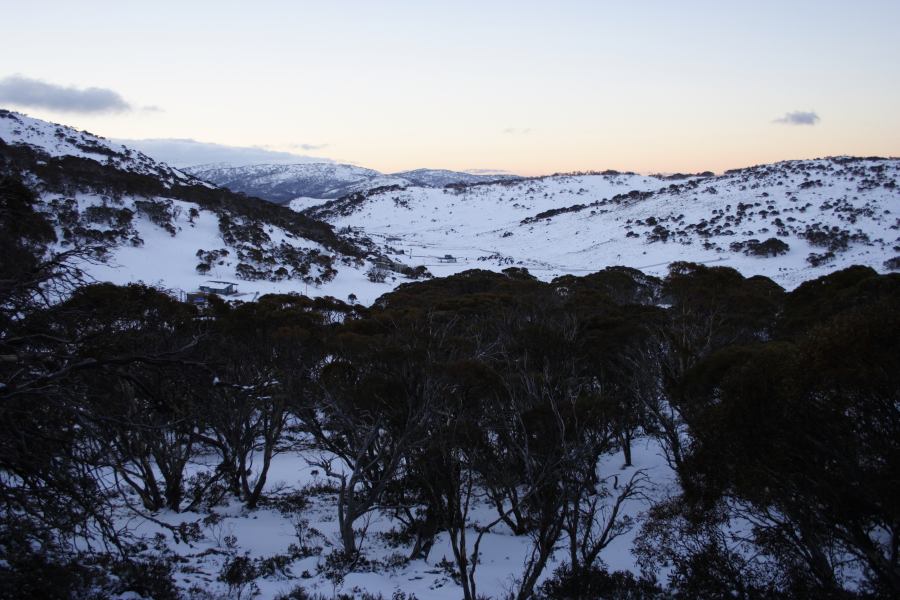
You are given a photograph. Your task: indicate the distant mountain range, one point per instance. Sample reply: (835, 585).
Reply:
(281, 183)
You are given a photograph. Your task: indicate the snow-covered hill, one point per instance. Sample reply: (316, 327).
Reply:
(830, 213)
(59, 140)
(281, 183)
(161, 226)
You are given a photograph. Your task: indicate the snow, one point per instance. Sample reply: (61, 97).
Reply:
(481, 226)
(496, 225)
(59, 140)
(266, 532)
(168, 262)
(302, 203)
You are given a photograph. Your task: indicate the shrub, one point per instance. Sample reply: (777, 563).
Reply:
(892, 264)
(595, 582)
(816, 260)
(158, 211)
(377, 274)
(238, 573)
(770, 247)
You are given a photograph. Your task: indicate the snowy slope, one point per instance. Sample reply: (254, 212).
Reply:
(161, 224)
(582, 223)
(303, 203)
(59, 140)
(167, 258)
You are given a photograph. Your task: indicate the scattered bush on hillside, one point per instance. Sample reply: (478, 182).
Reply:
(817, 260)
(160, 212)
(769, 248)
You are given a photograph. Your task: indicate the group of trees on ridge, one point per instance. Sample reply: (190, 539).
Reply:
(778, 412)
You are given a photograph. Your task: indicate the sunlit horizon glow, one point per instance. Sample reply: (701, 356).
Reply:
(524, 87)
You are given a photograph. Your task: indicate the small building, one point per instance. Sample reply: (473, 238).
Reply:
(220, 288)
(447, 258)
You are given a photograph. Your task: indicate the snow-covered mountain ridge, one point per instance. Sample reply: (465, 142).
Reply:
(282, 183)
(444, 177)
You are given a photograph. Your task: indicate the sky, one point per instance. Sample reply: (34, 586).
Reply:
(527, 87)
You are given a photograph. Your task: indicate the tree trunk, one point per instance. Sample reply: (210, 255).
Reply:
(345, 521)
(426, 532)
(625, 438)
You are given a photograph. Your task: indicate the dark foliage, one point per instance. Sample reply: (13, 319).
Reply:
(769, 248)
(596, 582)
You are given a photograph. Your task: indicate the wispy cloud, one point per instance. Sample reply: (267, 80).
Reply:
(517, 130)
(34, 93)
(186, 152)
(798, 117)
(308, 147)
(488, 172)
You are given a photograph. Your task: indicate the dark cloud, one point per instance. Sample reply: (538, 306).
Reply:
(517, 130)
(799, 117)
(33, 93)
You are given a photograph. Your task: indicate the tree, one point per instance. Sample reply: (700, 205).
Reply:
(266, 357)
(48, 492)
(143, 405)
(711, 308)
(377, 392)
(802, 436)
